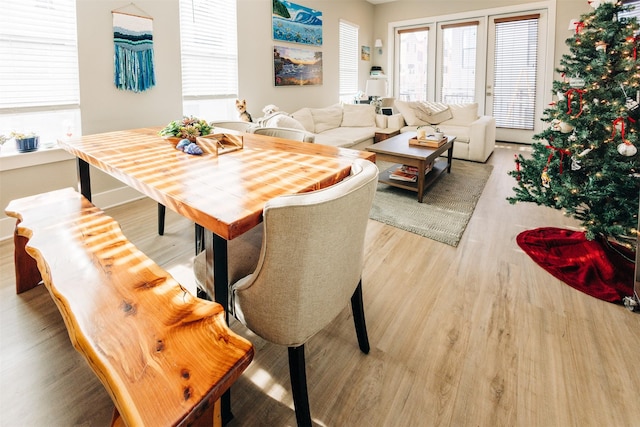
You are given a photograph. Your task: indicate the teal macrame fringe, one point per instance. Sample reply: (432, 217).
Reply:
(133, 69)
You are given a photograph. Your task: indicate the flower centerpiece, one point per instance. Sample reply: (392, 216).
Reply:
(188, 128)
(25, 142)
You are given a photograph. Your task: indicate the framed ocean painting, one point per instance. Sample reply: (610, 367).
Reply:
(296, 24)
(296, 67)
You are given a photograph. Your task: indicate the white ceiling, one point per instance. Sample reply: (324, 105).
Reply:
(379, 1)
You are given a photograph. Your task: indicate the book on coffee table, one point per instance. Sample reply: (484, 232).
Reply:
(408, 173)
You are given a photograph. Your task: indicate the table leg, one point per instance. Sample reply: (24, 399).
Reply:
(221, 289)
(422, 165)
(84, 178)
(450, 157)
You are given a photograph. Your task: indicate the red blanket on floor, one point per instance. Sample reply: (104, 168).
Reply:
(590, 266)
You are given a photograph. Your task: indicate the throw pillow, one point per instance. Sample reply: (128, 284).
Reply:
(463, 114)
(327, 118)
(304, 117)
(432, 112)
(407, 109)
(358, 115)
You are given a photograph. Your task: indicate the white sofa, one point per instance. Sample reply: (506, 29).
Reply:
(340, 125)
(475, 135)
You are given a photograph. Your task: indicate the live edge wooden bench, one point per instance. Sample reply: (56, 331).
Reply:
(164, 356)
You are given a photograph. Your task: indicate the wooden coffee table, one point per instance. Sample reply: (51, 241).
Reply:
(397, 149)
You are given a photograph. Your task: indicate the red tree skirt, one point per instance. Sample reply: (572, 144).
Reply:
(589, 266)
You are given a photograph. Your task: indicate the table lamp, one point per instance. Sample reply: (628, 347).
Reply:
(375, 89)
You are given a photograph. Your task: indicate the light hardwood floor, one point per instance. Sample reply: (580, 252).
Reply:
(476, 335)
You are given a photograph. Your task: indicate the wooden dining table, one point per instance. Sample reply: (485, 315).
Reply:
(224, 193)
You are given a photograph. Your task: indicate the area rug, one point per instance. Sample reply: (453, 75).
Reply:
(446, 208)
(604, 270)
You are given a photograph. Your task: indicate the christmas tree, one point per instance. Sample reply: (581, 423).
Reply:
(586, 162)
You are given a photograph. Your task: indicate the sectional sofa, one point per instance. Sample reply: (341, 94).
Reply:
(340, 125)
(475, 135)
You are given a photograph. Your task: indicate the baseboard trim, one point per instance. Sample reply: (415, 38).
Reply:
(104, 200)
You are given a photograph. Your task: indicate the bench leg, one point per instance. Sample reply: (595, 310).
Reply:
(210, 417)
(27, 273)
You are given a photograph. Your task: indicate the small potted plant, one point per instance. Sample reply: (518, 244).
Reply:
(3, 139)
(188, 128)
(431, 131)
(25, 142)
(437, 133)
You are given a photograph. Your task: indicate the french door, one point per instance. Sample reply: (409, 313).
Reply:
(498, 61)
(515, 75)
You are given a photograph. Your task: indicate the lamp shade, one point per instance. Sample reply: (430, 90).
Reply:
(378, 43)
(376, 87)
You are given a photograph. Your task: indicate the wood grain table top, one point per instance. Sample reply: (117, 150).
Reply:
(226, 193)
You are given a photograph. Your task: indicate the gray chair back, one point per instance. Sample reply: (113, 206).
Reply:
(285, 133)
(311, 259)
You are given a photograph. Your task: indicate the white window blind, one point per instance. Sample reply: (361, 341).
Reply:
(39, 55)
(515, 74)
(458, 70)
(209, 49)
(348, 59)
(635, 8)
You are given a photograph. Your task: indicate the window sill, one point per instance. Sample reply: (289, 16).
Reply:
(11, 159)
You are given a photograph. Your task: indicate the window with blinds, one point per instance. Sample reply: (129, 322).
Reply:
(348, 61)
(635, 8)
(458, 65)
(209, 56)
(412, 63)
(515, 75)
(39, 79)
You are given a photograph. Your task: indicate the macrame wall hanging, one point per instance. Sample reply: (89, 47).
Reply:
(133, 44)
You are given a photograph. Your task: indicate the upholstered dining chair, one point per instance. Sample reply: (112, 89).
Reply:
(286, 133)
(308, 269)
(232, 124)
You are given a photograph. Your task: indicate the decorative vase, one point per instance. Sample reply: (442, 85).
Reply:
(24, 145)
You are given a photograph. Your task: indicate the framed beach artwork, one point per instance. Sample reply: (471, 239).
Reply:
(296, 67)
(365, 53)
(296, 24)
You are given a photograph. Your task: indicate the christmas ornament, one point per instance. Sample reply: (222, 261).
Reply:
(544, 177)
(627, 149)
(584, 153)
(597, 3)
(601, 46)
(565, 127)
(575, 164)
(630, 103)
(573, 137)
(570, 96)
(618, 125)
(576, 82)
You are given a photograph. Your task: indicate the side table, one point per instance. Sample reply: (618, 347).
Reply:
(383, 134)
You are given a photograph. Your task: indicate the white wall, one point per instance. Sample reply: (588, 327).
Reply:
(106, 108)
(255, 62)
